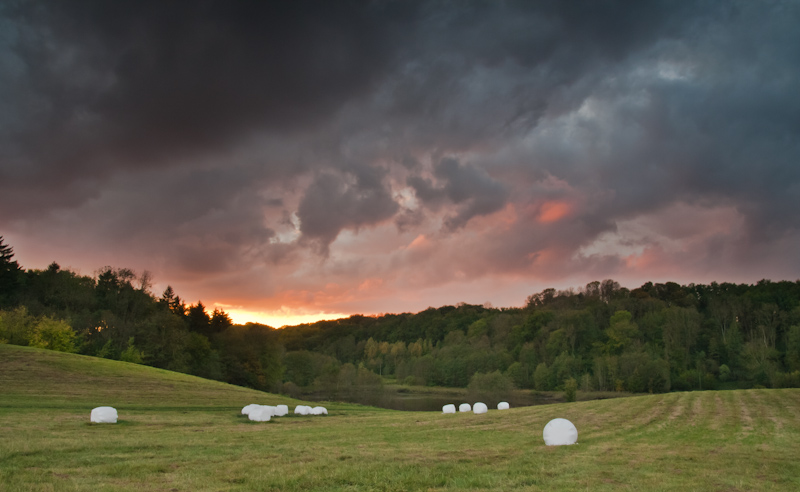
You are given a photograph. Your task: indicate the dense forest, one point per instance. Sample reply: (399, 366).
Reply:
(655, 338)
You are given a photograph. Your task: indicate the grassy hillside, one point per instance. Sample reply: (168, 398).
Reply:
(181, 433)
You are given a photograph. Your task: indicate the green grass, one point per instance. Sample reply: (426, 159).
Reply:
(177, 432)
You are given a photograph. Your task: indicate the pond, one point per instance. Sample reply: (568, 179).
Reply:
(421, 399)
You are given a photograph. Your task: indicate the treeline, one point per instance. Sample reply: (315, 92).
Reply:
(656, 338)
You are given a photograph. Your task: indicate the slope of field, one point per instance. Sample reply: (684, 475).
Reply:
(179, 433)
(31, 376)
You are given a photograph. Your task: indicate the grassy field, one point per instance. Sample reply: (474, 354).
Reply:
(180, 433)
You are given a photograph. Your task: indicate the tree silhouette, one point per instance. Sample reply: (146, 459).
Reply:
(10, 273)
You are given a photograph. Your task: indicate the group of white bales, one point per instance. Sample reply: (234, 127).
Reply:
(478, 407)
(256, 413)
(262, 413)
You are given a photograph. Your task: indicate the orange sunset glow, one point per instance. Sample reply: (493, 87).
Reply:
(553, 211)
(278, 319)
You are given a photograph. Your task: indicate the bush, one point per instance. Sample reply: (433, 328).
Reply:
(724, 373)
(131, 354)
(493, 386)
(694, 380)
(586, 382)
(368, 380)
(786, 379)
(518, 373)
(570, 389)
(542, 377)
(53, 335)
(16, 326)
(291, 389)
(413, 381)
(106, 351)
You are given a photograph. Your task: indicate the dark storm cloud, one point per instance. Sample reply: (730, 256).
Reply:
(567, 35)
(96, 85)
(470, 189)
(334, 202)
(229, 130)
(723, 131)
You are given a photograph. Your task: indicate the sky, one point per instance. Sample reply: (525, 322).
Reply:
(294, 161)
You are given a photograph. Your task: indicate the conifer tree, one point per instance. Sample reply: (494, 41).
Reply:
(10, 272)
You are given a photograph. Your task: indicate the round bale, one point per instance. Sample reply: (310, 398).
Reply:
(104, 415)
(560, 432)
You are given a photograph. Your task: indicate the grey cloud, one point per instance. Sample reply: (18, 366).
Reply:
(409, 219)
(426, 191)
(333, 202)
(97, 86)
(709, 117)
(727, 133)
(467, 187)
(232, 108)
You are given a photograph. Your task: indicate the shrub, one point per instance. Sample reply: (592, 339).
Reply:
(54, 335)
(570, 389)
(16, 326)
(413, 381)
(492, 386)
(724, 373)
(131, 354)
(786, 379)
(291, 389)
(586, 382)
(542, 378)
(518, 374)
(106, 351)
(368, 380)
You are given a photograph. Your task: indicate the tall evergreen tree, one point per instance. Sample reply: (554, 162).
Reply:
(10, 273)
(199, 321)
(220, 321)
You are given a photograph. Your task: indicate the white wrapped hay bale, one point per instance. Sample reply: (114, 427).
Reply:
(560, 432)
(449, 408)
(479, 408)
(319, 411)
(465, 407)
(302, 410)
(248, 408)
(281, 410)
(104, 415)
(503, 405)
(260, 414)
